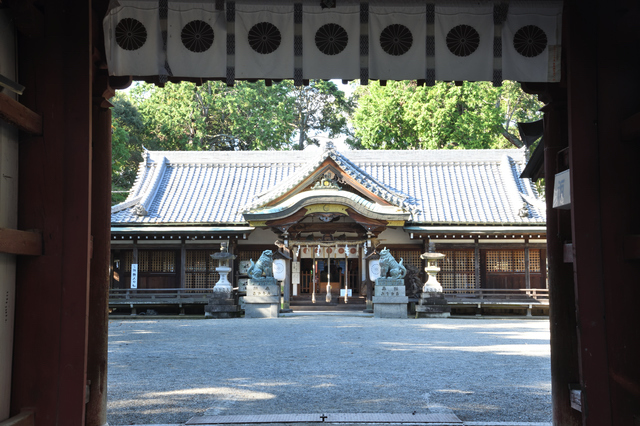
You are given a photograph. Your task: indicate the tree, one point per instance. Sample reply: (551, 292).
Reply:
(320, 107)
(244, 117)
(403, 115)
(213, 116)
(126, 144)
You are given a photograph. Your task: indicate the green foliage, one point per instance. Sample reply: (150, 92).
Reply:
(403, 115)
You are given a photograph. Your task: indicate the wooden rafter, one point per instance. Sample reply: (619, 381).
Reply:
(13, 241)
(19, 115)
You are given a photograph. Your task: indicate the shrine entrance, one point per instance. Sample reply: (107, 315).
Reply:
(328, 281)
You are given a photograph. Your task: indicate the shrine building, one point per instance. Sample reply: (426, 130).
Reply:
(325, 212)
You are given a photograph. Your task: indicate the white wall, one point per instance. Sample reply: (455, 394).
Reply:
(260, 236)
(394, 236)
(8, 217)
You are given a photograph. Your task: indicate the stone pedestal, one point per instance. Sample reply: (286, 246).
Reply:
(262, 299)
(222, 304)
(433, 305)
(389, 300)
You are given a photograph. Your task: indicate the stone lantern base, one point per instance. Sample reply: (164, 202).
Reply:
(222, 304)
(433, 305)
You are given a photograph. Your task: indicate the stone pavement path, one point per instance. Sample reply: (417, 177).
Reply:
(167, 371)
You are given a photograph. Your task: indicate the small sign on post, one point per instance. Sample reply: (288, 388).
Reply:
(134, 275)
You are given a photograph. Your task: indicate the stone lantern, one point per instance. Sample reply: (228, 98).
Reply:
(432, 302)
(432, 285)
(222, 302)
(223, 257)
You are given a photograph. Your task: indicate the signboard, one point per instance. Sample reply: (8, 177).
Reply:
(562, 191)
(243, 266)
(348, 292)
(242, 284)
(295, 267)
(134, 275)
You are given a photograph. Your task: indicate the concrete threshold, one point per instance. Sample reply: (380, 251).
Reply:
(342, 418)
(327, 314)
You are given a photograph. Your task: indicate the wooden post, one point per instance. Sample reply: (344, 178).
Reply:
(562, 315)
(476, 262)
(55, 184)
(100, 261)
(527, 273)
(183, 264)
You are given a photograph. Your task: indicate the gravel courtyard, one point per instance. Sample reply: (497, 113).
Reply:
(167, 371)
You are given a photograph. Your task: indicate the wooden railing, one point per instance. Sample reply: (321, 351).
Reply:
(156, 294)
(145, 298)
(540, 295)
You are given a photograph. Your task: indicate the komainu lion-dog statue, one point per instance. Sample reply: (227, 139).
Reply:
(388, 265)
(264, 266)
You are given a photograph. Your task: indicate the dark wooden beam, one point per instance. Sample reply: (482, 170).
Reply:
(13, 241)
(631, 247)
(19, 115)
(631, 128)
(27, 18)
(26, 418)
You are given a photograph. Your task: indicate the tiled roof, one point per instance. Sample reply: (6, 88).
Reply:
(437, 187)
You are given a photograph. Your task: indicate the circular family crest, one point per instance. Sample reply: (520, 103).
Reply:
(130, 34)
(463, 40)
(530, 41)
(331, 39)
(396, 39)
(197, 36)
(264, 38)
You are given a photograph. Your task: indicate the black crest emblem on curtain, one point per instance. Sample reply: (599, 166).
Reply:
(463, 40)
(130, 34)
(197, 36)
(264, 37)
(396, 39)
(331, 39)
(530, 41)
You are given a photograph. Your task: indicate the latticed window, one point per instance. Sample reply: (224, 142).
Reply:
(126, 261)
(200, 269)
(249, 254)
(534, 260)
(156, 261)
(457, 269)
(512, 261)
(409, 257)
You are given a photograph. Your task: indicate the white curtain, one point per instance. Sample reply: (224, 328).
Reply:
(464, 41)
(269, 53)
(531, 41)
(196, 40)
(474, 40)
(397, 40)
(133, 39)
(331, 40)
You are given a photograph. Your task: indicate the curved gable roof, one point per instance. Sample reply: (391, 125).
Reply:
(440, 187)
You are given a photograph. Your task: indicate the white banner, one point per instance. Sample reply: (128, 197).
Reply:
(196, 40)
(531, 39)
(464, 42)
(133, 40)
(397, 41)
(331, 40)
(134, 275)
(264, 40)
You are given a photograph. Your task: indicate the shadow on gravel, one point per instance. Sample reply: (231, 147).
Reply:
(167, 371)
